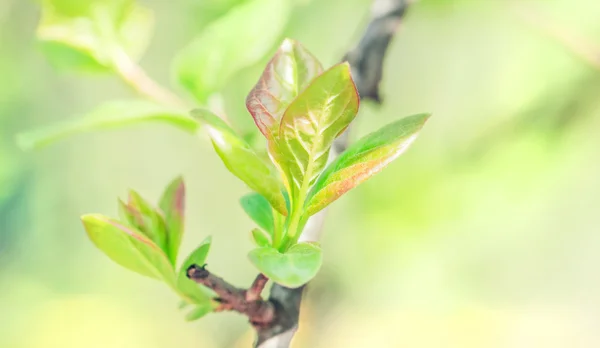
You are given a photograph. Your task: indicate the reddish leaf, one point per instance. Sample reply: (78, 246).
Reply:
(364, 159)
(288, 73)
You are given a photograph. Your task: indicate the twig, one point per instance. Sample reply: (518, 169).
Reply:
(247, 302)
(366, 60)
(253, 293)
(137, 79)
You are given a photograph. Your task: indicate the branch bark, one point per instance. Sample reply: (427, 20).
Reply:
(366, 61)
(248, 302)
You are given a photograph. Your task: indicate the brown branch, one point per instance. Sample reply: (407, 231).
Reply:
(253, 293)
(247, 302)
(366, 61)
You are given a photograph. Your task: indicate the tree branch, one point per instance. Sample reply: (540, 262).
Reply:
(366, 61)
(248, 302)
(253, 293)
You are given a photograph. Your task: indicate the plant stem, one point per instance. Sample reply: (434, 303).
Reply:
(296, 224)
(137, 79)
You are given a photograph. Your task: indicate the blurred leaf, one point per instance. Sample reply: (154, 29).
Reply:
(199, 311)
(90, 35)
(172, 205)
(298, 265)
(111, 115)
(78, 8)
(206, 11)
(129, 248)
(261, 238)
(146, 219)
(259, 210)
(196, 293)
(237, 40)
(241, 160)
(288, 73)
(131, 216)
(364, 159)
(312, 122)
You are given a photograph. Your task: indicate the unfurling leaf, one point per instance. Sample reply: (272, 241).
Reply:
(241, 160)
(294, 268)
(312, 122)
(88, 35)
(129, 248)
(364, 159)
(143, 216)
(259, 210)
(172, 205)
(192, 291)
(235, 41)
(111, 115)
(287, 74)
(261, 238)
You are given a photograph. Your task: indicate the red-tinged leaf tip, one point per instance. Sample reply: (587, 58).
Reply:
(364, 159)
(286, 75)
(179, 199)
(95, 218)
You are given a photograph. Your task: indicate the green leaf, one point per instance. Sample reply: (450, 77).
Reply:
(78, 8)
(194, 292)
(261, 238)
(90, 35)
(312, 122)
(111, 115)
(199, 311)
(172, 205)
(129, 248)
(364, 159)
(132, 216)
(288, 73)
(294, 268)
(235, 41)
(259, 210)
(146, 219)
(241, 160)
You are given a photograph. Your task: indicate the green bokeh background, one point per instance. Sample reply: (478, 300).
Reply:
(485, 234)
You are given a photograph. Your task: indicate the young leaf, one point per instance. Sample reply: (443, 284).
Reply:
(108, 116)
(86, 35)
(129, 248)
(364, 159)
(131, 216)
(312, 122)
(199, 311)
(172, 205)
(287, 74)
(237, 40)
(261, 238)
(147, 220)
(196, 293)
(259, 210)
(294, 268)
(241, 160)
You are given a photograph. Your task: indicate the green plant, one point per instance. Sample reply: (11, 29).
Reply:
(299, 107)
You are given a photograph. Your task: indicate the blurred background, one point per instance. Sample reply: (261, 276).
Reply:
(484, 234)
